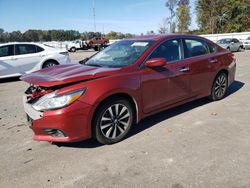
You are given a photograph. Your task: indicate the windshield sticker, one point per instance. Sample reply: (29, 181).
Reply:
(140, 44)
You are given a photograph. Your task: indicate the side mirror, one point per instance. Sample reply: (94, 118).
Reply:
(232, 42)
(156, 62)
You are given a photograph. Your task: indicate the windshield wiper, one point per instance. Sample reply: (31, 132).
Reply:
(94, 65)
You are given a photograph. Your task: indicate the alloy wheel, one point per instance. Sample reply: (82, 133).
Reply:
(115, 121)
(50, 64)
(220, 86)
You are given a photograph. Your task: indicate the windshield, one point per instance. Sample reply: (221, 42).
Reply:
(120, 54)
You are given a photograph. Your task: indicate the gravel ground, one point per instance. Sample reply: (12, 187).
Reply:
(200, 144)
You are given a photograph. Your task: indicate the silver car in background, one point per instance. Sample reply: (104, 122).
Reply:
(246, 43)
(232, 44)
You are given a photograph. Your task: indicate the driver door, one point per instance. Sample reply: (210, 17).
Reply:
(163, 86)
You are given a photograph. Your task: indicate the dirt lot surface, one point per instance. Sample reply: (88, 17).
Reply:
(200, 144)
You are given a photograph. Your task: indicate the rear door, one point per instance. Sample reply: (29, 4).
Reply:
(27, 56)
(7, 61)
(202, 63)
(163, 86)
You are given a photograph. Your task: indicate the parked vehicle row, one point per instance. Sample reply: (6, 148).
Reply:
(18, 58)
(125, 82)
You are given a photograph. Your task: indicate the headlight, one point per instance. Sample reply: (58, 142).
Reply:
(53, 101)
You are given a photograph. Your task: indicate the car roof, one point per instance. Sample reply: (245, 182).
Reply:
(13, 43)
(227, 38)
(163, 37)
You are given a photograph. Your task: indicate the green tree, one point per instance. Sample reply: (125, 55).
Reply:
(183, 16)
(15, 36)
(150, 32)
(163, 28)
(171, 5)
(112, 35)
(223, 15)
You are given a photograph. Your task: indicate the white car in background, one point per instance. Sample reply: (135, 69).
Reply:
(18, 58)
(246, 43)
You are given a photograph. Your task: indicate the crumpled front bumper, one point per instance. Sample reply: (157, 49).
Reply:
(74, 121)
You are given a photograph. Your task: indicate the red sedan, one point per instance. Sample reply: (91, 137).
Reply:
(122, 84)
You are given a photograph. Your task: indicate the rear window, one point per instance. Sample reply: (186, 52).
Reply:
(194, 47)
(212, 47)
(39, 49)
(25, 49)
(224, 41)
(6, 50)
(235, 40)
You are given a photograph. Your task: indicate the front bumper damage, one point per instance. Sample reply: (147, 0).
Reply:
(68, 124)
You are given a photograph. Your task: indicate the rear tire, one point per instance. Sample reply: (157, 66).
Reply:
(241, 49)
(49, 63)
(113, 120)
(219, 87)
(96, 48)
(73, 49)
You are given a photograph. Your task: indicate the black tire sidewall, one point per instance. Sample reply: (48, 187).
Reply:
(73, 49)
(97, 133)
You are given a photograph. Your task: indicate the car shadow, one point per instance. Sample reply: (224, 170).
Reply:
(155, 119)
(13, 79)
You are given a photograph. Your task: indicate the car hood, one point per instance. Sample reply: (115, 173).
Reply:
(64, 74)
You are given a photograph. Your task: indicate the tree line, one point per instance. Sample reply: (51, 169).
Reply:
(55, 35)
(213, 16)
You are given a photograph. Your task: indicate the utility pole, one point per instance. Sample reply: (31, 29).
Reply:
(103, 30)
(94, 15)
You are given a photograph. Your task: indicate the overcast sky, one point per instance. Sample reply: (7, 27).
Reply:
(127, 16)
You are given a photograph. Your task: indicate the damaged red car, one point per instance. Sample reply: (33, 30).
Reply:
(117, 87)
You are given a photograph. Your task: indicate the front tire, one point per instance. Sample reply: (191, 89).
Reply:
(113, 120)
(219, 87)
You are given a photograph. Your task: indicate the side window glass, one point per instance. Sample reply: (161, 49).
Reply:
(194, 48)
(170, 50)
(39, 49)
(25, 49)
(6, 51)
(212, 47)
(236, 40)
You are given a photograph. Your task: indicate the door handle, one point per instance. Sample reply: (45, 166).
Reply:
(213, 61)
(184, 69)
(13, 58)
